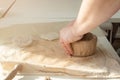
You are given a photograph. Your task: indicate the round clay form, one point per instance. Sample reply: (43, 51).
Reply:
(86, 46)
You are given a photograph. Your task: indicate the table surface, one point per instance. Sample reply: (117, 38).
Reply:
(104, 43)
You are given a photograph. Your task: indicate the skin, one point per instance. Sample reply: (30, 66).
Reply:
(92, 13)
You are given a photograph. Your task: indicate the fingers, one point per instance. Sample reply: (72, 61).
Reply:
(67, 47)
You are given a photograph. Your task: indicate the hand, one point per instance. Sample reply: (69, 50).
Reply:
(67, 36)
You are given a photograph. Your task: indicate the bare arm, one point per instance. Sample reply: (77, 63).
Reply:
(94, 12)
(91, 14)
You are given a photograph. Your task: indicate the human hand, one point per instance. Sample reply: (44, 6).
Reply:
(67, 36)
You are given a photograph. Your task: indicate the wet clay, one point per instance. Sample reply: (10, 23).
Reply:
(86, 46)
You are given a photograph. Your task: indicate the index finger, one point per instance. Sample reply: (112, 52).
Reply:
(67, 47)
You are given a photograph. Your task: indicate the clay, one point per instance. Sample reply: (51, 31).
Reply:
(49, 36)
(86, 46)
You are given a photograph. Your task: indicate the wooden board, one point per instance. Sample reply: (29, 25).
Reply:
(48, 58)
(5, 6)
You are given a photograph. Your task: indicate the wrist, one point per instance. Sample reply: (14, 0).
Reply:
(80, 28)
(75, 29)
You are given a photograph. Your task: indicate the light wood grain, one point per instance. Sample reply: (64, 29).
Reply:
(13, 72)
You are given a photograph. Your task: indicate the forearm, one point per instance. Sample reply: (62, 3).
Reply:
(94, 12)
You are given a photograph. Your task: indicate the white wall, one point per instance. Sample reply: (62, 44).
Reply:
(29, 11)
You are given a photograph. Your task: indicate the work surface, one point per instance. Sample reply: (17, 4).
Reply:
(26, 15)
(47, 57)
